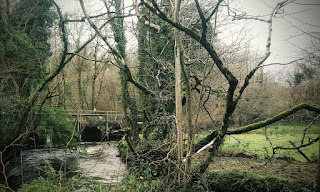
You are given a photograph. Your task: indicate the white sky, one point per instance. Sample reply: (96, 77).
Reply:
(285, 35)
(286, 39)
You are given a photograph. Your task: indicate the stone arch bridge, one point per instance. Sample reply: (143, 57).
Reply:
(95, 125)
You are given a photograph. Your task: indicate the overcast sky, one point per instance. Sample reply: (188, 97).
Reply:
(287, 36)
(286, 32)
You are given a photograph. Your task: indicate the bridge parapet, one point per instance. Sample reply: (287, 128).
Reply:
(105, 116)
(94, 113)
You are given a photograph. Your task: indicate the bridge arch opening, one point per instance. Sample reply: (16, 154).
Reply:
(91, 134)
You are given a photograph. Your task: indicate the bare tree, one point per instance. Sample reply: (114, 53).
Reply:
(234, 91)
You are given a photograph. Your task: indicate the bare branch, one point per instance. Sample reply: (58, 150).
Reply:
(143, 19)
(308, 127)
(268, 52)
(299, 147)
(289, 63)
(88, 59)
(203, 21)
(316, 4)
(305, 32)
(205, 108)
(98, 31)
(299, 151)
(225, 71)
(6, 184)
(214, 10)
(83, 19)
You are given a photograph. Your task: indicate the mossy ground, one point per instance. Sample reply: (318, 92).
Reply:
(293, 171)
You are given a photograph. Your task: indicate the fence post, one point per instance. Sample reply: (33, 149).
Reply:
(78, 124)
(107, 126)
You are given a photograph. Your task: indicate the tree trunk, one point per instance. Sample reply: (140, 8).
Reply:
(93, 93)
(80, 93)
(189, 127)
(318, 179)
(95, 75)
(93, 88)
(64, 89)
(59, 92)
(178, 89)
(80, 90)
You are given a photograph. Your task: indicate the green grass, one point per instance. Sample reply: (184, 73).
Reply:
(288, 129)
(256, 142)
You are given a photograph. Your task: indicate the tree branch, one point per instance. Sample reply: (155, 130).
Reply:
(289, 63)
(203, 20)
(274, 119)
(232, 80)
(50, 78)
(300, 146)
(143, 20)
(88, 59)
(214, 10)
(6, 184)
(225, 71)
(267, 54)
(83, 18)
(308, 127)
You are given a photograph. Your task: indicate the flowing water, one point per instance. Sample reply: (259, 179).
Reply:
(102, 163)
(98, 161)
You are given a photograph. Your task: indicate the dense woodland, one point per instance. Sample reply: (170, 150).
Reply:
(177, 69)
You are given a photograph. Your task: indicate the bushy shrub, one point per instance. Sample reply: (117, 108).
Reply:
(9, 113)
(56, 123)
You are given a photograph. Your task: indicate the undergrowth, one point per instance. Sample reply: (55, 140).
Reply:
(241, 181)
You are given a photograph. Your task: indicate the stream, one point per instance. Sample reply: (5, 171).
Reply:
(98, 161)
(102, 163)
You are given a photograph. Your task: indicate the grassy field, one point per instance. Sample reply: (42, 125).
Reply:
(256, 142)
